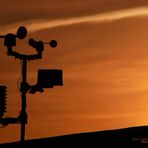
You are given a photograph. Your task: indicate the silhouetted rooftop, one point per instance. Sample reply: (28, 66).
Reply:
(133, 136)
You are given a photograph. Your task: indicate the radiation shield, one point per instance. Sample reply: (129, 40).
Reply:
(48, 78)
(3, 105)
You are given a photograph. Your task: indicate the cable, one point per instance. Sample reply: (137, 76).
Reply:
(18, 81)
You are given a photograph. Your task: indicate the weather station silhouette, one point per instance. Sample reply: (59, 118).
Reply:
(47, 78)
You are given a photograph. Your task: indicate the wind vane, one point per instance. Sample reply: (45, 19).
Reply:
(47, 78)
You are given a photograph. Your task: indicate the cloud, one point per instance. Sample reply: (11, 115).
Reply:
(40, 24)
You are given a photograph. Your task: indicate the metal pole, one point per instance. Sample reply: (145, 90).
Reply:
(23, 114)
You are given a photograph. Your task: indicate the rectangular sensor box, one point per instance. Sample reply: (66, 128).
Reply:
(47, 78)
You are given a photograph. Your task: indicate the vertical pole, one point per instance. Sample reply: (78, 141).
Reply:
(23, 114)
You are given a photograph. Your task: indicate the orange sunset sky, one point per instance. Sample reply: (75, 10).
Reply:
(103, 52)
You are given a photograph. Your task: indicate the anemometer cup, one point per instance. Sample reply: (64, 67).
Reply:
(10, 39)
